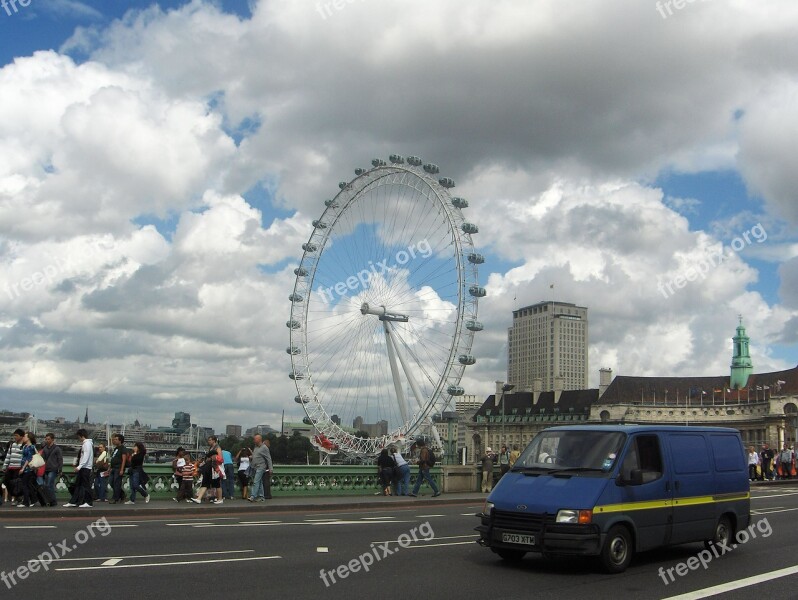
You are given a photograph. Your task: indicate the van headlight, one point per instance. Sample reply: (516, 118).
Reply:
(488, 508)
(574, 517)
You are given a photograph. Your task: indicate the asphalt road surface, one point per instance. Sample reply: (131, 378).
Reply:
(398, 552)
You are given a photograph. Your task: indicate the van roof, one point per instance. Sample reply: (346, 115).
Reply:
(630, 428)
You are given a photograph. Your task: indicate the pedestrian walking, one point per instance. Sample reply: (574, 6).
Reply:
(138, 477)
(210, 471)
(487, 470)
(229, 483)
(262, 465)
(81, 496)
(27, 471)
(243, 457)
(120, 458)
(53, 466)
(426, 460)
(101, 473)
(504, 460)
(766, 458)
(12, 465)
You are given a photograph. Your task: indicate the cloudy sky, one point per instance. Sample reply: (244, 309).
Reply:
(160, 166)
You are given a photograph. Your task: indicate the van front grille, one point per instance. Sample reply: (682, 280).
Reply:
(521, 521)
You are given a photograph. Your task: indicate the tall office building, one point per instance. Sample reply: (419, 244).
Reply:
(548, 342)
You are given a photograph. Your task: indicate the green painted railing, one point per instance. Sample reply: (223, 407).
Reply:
(287, 480)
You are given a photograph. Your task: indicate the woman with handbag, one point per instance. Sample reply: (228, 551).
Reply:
(101, 473)
(385, 467)
(138, 478)
(28, 470)
(211, 472)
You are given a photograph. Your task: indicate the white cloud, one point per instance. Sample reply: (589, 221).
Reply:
(551, 117)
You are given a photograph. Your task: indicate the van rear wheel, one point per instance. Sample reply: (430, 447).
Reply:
(723, 535)
(510, 555)
(617, 551)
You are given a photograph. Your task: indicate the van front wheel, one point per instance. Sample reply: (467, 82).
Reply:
(723, 536)
(617, 551)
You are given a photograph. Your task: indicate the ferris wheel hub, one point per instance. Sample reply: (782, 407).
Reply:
(383, 313)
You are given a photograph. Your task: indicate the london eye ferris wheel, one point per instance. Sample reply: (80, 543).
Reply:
(384, 307)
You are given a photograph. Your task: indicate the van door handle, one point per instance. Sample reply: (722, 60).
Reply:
(676, 485)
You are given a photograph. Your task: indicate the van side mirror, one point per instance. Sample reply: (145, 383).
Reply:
(635, 478)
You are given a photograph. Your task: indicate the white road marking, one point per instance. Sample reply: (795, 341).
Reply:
(321, 520)
(736, 585)
(118, 526)
(171, 564)
(766, 496)
(111, 562)
(414, 546)
(29, 527)
(255, 522)
(322, 549)
(449, 537)
(376, 518)
(765, 511)
(428, 516)
(186, 524)
(91, 558)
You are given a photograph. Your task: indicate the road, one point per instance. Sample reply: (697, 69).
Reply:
(424, 551)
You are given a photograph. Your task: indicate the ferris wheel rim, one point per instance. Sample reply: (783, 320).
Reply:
(314, 249)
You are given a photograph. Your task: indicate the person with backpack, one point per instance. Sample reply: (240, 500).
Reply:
(426, 460)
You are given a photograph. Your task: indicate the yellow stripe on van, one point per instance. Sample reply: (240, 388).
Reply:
(677, 502)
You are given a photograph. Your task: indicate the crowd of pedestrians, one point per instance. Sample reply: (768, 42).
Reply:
(769, 465)
(31, 473)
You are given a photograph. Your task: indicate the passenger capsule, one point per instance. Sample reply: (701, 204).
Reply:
(301, 272)
(446, 182)
(414, 160)
(318, 224)
(330, 204)
(378, 162)
(296, 376)
(476, 259)
(359, 171)
(296, 298)
(308, 247)
(306, 421)
(455, 390)
(293, 350)
(343, 185)
(431, 169)
(477, 291)
(293, 324)
(460, 202)
(474, 325)
(466, 359)
(469, 228)
(301, 399)
(396, 159)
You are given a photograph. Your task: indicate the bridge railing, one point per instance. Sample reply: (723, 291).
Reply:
(287, 480)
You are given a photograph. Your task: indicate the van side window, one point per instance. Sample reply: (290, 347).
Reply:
(644, 454)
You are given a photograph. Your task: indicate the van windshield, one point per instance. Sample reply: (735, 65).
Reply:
(572, 450)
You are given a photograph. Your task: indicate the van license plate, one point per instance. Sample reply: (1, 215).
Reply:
(518, 538)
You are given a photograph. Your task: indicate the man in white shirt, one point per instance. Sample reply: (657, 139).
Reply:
(81, 497)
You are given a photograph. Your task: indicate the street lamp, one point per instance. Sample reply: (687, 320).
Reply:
(505, 388)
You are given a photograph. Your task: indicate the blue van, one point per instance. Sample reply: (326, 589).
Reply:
(613, 490)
